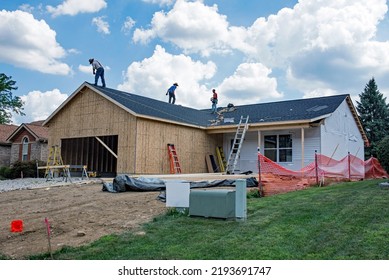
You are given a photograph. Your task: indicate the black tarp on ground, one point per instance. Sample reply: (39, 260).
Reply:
(123, 183)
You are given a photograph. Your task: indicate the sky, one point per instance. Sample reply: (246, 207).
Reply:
(249, 51)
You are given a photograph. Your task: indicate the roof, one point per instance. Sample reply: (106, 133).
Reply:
(35, 128)
(292, 110)
(306, 110)
(5, 131)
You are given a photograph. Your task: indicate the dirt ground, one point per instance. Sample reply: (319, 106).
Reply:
(77, 214)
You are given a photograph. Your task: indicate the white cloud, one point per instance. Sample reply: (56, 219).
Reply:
(74, 51)
(87, 69)
(328, 43)
(251, 83)
(74, 7)
(192, 26)
(153, 76)
(128, 25)
(102, 25)
(159, 2)
(29, 43)
(26, 8)
(315, 25)
(39, 105)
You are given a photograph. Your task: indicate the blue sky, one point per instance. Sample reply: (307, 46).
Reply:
(250, 51)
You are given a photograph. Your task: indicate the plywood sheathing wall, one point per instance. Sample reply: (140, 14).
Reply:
(192, 145)
(142, 143)
(87, 115)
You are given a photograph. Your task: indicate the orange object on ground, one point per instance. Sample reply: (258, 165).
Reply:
(17, 226)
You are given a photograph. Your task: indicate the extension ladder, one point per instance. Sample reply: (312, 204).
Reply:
(237, 144)
(174, 163)
(221, 159)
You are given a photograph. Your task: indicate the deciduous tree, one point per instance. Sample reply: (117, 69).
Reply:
(8, 103)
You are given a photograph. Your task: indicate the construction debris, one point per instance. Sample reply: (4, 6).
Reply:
(220, 117)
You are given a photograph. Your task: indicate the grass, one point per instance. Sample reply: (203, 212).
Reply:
(347, 221)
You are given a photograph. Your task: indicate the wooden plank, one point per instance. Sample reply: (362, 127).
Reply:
(105, 146)
(209, 164)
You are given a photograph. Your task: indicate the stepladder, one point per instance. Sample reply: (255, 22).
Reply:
(55, 165)
(237, 143)
(221, 159)
(175, 167)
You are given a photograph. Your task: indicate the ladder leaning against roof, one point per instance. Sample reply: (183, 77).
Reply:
(237, 144)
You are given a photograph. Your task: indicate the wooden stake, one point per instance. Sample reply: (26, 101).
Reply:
(333, 154)
(48, 237)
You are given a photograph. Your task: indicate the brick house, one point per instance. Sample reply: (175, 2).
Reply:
(5, 146)
(29, 142)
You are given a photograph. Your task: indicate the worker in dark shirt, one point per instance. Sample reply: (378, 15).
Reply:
(172, 95)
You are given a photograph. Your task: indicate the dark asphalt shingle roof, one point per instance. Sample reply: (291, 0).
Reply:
(291, 110)
(157, 109)
(301, 109)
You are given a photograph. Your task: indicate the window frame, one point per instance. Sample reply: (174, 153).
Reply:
(25, 146)
(277, 152)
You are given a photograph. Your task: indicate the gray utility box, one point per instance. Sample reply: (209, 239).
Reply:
(212, 203)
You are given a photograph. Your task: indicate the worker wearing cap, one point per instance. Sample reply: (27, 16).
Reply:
(171, 91)
(98, 71)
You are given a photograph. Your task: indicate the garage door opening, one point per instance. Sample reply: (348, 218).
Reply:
(98, 153)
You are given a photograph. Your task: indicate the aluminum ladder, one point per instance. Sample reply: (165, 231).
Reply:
(237, 145)
(175, 167)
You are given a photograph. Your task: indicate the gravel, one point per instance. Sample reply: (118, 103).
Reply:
(32, 183)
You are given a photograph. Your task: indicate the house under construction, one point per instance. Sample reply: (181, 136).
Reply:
(115, 132)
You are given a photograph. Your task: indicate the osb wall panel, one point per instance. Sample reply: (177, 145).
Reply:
(88, 114)
(192, 145)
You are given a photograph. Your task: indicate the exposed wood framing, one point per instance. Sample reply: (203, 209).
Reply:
(105, 146)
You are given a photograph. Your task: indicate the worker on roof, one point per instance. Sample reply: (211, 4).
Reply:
(172, 95)
(98, 70)
(214, 101)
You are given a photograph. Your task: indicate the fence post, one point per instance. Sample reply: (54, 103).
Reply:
(259, 173)
(349, 166)
(316, 169)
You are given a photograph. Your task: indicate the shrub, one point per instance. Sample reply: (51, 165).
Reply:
(26, 169)
(5, 172)
(383, 153)
(253, 193)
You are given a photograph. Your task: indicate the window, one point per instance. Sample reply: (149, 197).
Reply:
(278, 148)
(25, 149)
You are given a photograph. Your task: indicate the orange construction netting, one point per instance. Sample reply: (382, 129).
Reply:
(275, 178)
(373, 169)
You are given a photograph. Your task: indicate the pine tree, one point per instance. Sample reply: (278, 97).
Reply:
(374, 115)
(8, 103)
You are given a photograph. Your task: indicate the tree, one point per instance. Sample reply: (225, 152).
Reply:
(374, 115)
(8, 103)
(383, 153)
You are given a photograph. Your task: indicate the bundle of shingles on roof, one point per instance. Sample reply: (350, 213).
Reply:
(220, 117)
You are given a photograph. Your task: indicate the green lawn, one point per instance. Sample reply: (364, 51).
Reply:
(343, 221)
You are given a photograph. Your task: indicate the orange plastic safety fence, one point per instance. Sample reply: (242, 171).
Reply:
(373, 169)
(350, 167)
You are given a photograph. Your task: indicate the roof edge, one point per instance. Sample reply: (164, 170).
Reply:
(16, 131)
(84, 84)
